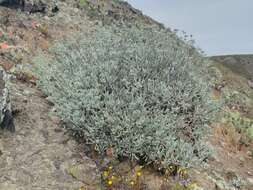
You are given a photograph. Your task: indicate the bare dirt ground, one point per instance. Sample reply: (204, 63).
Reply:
(40, 155)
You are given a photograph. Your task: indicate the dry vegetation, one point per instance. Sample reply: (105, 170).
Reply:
(40, 142)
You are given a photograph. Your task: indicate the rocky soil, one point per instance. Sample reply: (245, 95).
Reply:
(42, 155)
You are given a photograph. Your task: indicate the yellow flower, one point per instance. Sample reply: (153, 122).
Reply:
(131, 183)
(113, 177)
(193, 186)
(105, 173)
(110, 168)
(171, 169)
(138, 174)
(179, 170)
(109, 182)
(182, 172)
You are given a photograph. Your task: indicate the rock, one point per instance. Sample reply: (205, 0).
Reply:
(32, 6)
(250, 180)
(242, 159)
(250, 83)
(11, 2)
(85, 172)
(6, 118)
(250, 153)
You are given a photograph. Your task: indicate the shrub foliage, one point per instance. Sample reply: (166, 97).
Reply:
(140, 92)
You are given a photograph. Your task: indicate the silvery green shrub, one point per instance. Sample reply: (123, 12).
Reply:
(141, 92)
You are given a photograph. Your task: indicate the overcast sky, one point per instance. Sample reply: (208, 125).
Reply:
(218, 26)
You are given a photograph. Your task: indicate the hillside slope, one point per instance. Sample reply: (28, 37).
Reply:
(239, 64)
(41, 155)
(237, 73)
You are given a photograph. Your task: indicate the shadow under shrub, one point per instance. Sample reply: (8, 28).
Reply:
(142, 93)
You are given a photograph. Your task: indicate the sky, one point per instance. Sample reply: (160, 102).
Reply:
(219, 27)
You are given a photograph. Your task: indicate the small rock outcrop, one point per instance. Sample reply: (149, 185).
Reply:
(6, 118)
(250, 83)
(32, 6)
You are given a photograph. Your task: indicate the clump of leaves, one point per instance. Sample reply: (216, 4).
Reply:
(139, 92)
(240, 123)
(82, 3)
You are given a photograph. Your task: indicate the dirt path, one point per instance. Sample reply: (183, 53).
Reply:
(39, 156)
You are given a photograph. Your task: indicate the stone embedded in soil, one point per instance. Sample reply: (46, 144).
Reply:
(250, 180)
(250, 83)
(80, 171)
(6, 118)
(31, 6)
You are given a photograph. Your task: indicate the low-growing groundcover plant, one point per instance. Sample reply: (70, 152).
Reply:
(140, 92)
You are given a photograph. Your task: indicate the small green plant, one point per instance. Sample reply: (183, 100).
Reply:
(236, 100)
(139, 92)
(43, 29)
(240, 123)
(82, 3)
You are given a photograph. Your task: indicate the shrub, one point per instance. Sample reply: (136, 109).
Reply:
(140, 92)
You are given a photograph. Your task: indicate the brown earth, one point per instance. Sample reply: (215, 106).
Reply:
(41, 155)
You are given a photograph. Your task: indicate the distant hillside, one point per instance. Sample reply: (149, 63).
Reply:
(240, 64)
